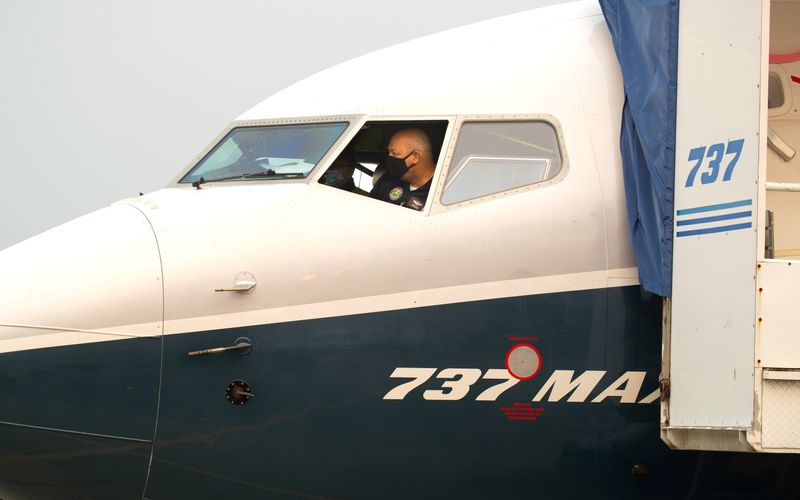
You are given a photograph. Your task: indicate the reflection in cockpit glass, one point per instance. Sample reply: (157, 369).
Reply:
(272, 152)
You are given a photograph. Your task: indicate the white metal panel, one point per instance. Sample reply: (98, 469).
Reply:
(94, 279)
(472, 69)
(781, 414)
(713, 308)
(368, 248)
(278, 231)
(780, 375)
(779, 284)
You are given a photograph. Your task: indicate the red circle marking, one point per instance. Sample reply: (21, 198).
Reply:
(538, 355)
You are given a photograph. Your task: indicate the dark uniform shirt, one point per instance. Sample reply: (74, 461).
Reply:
(396, 191)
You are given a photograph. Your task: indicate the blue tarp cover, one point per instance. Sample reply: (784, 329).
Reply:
(645, 35)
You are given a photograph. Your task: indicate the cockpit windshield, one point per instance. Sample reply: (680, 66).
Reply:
(271, 152)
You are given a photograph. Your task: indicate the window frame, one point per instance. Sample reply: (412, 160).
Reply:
(436, 204)
(355, 122)
(352, 120)
(350, 134)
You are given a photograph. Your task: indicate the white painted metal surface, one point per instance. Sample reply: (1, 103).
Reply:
(781, 415)
(772, 374)
(94, 279)
(713, 308)
(783, 186)
(310, 244)
(722, 284)
(779, 335)
(473, 69)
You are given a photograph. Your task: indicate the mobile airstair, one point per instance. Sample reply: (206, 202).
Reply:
(730, 377)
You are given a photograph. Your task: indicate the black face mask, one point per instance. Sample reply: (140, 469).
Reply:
(396, 166)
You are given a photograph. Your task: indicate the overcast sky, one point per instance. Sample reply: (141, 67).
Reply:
(103, 99)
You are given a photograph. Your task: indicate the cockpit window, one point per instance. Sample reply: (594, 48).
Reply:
(492, 157)
(361, 167)
(272, 152)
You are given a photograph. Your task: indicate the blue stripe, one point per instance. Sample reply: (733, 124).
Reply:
(719, 229)
(711, 208)
(714, 218)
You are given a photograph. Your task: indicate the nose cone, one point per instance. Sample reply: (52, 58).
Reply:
(98, 272)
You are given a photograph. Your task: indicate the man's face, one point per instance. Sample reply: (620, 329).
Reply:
(400, 148)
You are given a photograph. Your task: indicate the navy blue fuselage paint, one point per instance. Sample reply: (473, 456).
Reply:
(318, 426)
(78, 421)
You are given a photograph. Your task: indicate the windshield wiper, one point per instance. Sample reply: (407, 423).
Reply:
(252, 175)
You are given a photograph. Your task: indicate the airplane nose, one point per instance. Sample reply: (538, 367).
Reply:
(101, 271)
(81, 310)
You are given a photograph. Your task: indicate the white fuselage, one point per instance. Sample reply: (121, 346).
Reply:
(316, 251)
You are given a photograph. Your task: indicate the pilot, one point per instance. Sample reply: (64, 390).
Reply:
(409, 170)
(340, 173)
